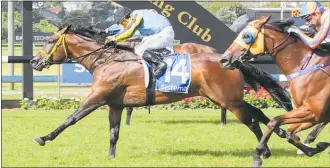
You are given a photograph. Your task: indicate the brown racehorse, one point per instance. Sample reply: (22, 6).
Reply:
(120, 84)
(187, 48)
(307, 73)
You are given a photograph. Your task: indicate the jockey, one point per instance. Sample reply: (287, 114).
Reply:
(155, 29)
(314, 14)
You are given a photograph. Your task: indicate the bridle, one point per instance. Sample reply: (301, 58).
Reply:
(61, 40)
(247, 55)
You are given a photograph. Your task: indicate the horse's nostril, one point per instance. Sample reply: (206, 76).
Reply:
(223, 61)
(33, 61)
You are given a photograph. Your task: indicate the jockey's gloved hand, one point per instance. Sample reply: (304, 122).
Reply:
(309, 30)
(293, 29)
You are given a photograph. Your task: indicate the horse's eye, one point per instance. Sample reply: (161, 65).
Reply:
(247, 38)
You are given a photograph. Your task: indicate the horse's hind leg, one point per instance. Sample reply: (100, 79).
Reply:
(129, 115)
(260, 116)
(91, 103)
(223, 116)
(243, 113)
(114, 119)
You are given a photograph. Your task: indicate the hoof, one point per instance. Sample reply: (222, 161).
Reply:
(39, 141)
(266, 154)
(256, 163)
(322, 146)
(112, 156)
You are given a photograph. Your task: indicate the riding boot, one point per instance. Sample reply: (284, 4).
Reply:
(153, 58)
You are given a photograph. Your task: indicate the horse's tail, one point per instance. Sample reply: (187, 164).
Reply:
(253, 75)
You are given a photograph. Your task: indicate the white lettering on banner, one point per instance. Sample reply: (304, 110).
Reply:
(180, 65)
(39, 38)
(79, 68)
(35, 38)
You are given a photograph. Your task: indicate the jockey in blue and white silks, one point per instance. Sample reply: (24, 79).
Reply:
(314, 14)
(155, 29)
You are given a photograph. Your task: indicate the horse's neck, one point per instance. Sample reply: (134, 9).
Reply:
(79, 47)
(290, 58)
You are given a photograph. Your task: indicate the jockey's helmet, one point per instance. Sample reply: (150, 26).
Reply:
(309, 8)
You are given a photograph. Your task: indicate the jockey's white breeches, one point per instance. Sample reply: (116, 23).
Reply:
(163, 39)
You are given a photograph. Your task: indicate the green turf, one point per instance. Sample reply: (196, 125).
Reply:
(163, 138)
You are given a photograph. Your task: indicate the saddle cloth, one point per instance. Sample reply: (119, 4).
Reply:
(177, 76)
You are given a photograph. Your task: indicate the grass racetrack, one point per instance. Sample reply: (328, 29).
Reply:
(163, 138)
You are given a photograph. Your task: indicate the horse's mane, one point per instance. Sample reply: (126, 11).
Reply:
(89, 33)
(92, 34)
(282, 24)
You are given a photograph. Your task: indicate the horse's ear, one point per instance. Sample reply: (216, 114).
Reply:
(263, 20)
(268, 18)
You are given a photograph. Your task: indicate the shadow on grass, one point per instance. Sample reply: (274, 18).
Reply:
(238, 153)
(216, 122)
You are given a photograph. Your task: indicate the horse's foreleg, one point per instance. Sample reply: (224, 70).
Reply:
(129, 115)
(299, 115)
(92, 102)
(114, 119)
(294, 129)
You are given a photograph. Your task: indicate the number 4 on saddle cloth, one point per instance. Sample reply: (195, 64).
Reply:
(176, 78)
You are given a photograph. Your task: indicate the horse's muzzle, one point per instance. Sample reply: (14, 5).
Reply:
(226, 60)
(38, 63)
